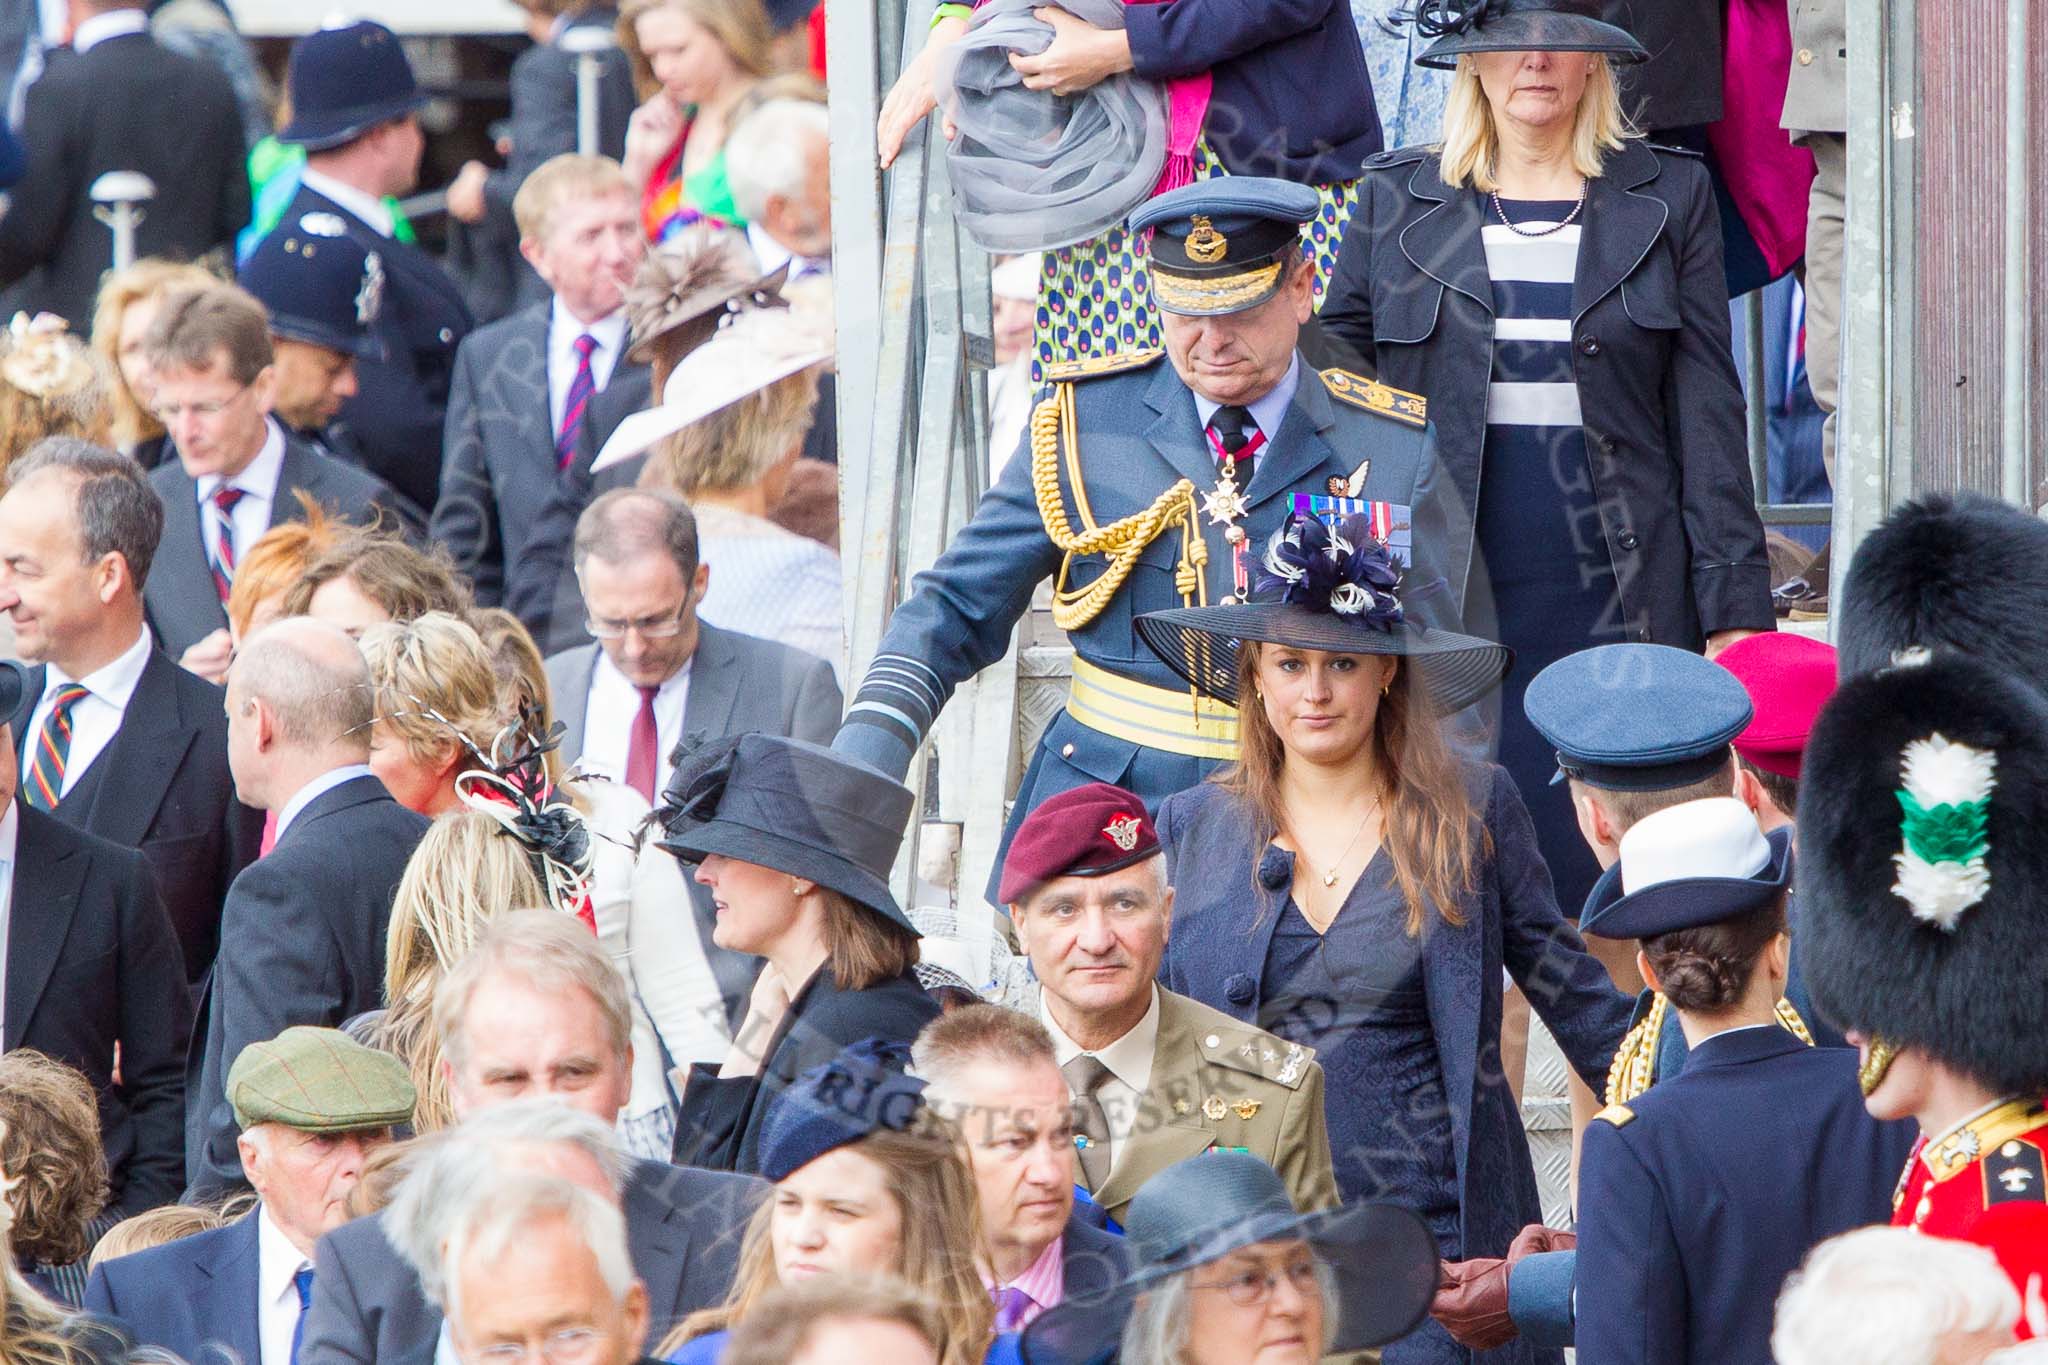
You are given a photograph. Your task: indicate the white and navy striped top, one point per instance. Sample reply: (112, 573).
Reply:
(1538, 517)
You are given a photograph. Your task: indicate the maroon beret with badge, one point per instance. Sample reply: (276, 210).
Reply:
(1789, 678)
(1085, 832)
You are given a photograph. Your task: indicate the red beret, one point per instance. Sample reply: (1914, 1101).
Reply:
(1789, 679)
(1080, 833)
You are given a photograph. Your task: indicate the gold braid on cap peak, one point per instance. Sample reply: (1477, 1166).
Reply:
(1120, 542)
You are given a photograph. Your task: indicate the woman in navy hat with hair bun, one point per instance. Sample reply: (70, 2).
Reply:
(1231, 1273)
(796, 843)
(867, 1181)
(1697, 1199)
(1352, 885)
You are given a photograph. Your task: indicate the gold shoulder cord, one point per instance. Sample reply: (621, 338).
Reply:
(1120, 542)
(1635, 1061)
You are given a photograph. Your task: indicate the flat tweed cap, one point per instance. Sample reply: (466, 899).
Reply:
(319, 1080)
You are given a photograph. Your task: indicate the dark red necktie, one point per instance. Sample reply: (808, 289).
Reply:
(643, 748)
(224, 500)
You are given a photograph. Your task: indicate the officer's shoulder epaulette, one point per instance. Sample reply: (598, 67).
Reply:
(1670, 150)
(1095, 366)
(1255, 1052)
(1398, 156)
(1376, 397)
(1620, 1115)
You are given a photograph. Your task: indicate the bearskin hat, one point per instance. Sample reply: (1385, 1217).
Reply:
(1923, 873)
(1965, 572)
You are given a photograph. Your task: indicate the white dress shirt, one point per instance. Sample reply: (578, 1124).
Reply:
(10, 830)
(96, 718)
(90, 33)
(314, 790)
(1129, 1060)
(608, 717)
(277, 1299)
(563, 329)
(367, 207)
(258, 482)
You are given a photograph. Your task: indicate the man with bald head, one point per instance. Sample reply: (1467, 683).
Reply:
(302, 934)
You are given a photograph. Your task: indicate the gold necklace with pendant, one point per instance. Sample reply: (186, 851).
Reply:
(1329, 878)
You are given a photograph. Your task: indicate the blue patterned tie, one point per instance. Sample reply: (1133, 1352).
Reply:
(580, 389)
(302, 1281)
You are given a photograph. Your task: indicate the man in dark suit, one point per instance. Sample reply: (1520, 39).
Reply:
(312, 1105)
(355, 111)
(101, 106)
(236, 472)
(534, 1019)
(657, 675)
(302, 935)
(91, 974)
(995, 1074)
(523, 386)
(545, 111)
(117, 739)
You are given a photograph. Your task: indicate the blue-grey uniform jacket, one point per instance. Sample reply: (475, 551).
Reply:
(1139, 434)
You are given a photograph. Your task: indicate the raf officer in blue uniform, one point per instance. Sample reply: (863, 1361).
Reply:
(355, 110)
(1700, 1197)
(1149, 481)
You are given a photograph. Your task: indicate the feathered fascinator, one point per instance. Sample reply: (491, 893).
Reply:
(1454, 28)
(40, 357)
(1341, 570)
(1440, 18)
(706, 268)
(511, 785)
(697, 781)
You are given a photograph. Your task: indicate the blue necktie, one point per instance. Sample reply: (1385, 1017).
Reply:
(302, 1281)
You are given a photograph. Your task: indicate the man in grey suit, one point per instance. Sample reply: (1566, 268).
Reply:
(523, 385)
(237, 472)
(656, 676)
(534, 1030)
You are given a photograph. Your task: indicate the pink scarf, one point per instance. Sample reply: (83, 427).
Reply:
(1187, 108)
(1767, 176)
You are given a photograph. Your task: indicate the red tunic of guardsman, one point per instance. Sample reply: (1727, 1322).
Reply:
(1986, 1181)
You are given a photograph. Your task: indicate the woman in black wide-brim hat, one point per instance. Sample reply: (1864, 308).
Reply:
(1552, 283)
(795, 843)
(1352, 885)
(1228, 1271)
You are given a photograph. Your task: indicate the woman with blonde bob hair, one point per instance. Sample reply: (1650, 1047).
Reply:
(867, 1179)
(120, 320)
(1552, 285)
(1353, 886)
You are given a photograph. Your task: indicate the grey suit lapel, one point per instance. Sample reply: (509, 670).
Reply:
(578, 713)
(182, 556)
(714, 686)
(1301, 444)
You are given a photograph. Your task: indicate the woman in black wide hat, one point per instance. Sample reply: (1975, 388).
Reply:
(1553, 284)
(1230, 1272)
(1353, 886)
(795, 842)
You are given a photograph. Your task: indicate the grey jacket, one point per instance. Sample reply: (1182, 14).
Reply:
(1816, 93)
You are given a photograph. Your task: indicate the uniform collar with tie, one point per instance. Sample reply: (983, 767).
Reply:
(1267, 412)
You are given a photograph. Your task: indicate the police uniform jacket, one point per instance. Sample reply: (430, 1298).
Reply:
(1218, 947)
(1986, 1181)
(395, 417)
(1139, 433)
(1411, 300)
(1700, 1197)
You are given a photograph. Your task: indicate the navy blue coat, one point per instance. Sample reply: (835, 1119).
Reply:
(1291, 96)
(1693, 1211)
(1140, 432)
(1217, 949)
(191, 1297)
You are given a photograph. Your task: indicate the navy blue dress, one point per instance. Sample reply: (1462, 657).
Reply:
(1355, 993)
(1538, 529)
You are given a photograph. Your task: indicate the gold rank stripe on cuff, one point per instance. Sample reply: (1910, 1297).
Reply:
(1374, 396)
(1155, 717)
(1952, 1153)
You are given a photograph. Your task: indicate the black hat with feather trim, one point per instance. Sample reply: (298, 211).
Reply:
(1334, 590)
(1923, 881)
(1462, 26)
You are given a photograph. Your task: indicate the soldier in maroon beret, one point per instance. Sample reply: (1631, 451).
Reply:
(1789, 679)
(1156, 1077)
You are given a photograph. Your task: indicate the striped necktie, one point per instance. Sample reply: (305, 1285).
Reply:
(224, 500)
(580, 389)
(45, 785)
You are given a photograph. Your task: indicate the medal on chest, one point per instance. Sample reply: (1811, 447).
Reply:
(1225, 505)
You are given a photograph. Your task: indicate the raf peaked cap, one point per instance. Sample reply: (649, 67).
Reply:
(320, 285)
(1086, 832)
(346, 81)
(1635, 717)
(319, 1080)
(1789, 678)
(1222, 246)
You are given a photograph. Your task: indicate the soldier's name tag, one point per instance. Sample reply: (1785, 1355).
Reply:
(1392, 522)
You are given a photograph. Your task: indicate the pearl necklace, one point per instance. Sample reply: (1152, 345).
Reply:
(1558, 226)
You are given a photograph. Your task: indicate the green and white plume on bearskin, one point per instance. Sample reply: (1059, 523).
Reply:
(1947, 803)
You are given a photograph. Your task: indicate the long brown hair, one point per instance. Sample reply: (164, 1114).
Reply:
(939, 1253)
(1431, 835)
